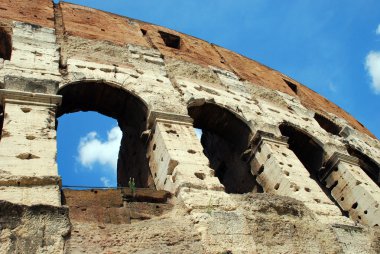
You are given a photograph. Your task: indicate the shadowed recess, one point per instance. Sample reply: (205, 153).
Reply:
(225, 138)
(131, 114)
(327, 124)
(370, 167)
(5, 45)
(305, 148)
(309, 152)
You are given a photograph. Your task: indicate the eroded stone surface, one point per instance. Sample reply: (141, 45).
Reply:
(159, 84)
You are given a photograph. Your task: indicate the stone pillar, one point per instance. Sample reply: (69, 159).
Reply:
(353, 189)
(28, 168)
(279, 171)
(176, 156)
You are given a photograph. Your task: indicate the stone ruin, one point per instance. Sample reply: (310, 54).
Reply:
(279, 169)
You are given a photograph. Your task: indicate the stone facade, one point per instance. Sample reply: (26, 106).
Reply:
(279, 169)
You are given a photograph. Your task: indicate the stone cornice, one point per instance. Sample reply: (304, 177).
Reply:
(159, 116)
(13, 96)
(333, 162)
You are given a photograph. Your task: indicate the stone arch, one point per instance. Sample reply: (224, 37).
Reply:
(369, 166)
(5, 44)
(128, 109)
(226, 137)
(310, 152)
(306, 147)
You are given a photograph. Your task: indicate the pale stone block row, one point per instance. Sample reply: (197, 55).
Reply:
(28, 149)
(34, 48)
(32, 195)
(28, 140)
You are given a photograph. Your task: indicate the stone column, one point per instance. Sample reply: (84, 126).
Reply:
(28, 168)
(176, 156)
(353, 189)
(279, 171)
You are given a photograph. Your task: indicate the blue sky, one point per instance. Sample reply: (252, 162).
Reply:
(333, 47)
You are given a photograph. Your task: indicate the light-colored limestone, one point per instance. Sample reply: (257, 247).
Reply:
(176, 158)
(353, 190)
(277, 221)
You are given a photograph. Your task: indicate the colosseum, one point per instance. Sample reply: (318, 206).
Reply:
(279, 168)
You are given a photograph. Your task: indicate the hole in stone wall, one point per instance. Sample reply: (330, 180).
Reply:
(327, 124)
(191, 151)
(171, 40)
(261, 170)
(225, 137)
(354, 205)
(292, 86)
(369, 166)
(143, 31)
(201, 176)
(129, 112)
(5, 45)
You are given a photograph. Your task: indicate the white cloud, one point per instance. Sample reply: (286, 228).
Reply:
(332, 87)
(372, 65)
(106, 181)
(92, 150)
(378, 30)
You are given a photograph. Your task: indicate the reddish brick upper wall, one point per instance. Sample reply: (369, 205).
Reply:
(192, 49)
(98, 25)
(39, 12)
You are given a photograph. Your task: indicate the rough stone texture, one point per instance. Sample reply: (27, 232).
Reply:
(318, 168)
(33, 229)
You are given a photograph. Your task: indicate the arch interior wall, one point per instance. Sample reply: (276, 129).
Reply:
(272, 173)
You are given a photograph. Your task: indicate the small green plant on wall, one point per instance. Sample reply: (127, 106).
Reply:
(132, 186)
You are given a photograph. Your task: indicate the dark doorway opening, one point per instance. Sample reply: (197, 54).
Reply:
(225, 137)
(5, 45)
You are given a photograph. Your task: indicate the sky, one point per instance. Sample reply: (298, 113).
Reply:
(333, 47)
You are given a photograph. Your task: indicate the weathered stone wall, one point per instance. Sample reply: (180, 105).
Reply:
(279, 170)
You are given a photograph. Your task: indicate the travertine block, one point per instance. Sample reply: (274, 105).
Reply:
(177, 160)
(279, 171)
(355, 192)
(33, 195)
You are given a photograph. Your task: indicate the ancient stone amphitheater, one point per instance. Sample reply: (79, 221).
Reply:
(279, 169)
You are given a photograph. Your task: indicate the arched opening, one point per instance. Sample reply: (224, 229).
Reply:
(370, 167)
(308, 151)
(131, 115)
(225, 137)
(5, 44)
(327, 124)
